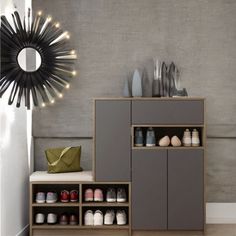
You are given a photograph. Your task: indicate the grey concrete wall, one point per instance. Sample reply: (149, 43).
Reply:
(113, 37)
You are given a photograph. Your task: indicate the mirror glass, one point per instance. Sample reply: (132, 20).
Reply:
(29, 59)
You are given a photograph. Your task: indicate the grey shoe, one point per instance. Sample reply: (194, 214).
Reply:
(109, 217)
(138, 139)
(121, 217)
(150, 138)
(121, 195)
(51, 197)
(111, 195)
(40, 197)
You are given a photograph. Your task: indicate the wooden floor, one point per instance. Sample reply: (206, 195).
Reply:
(211, 230)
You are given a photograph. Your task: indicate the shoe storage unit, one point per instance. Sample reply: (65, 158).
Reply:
(77, 208)
(167, 182)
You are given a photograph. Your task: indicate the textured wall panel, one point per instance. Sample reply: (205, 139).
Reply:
(113, 37)
(41, 144)
(221, 174)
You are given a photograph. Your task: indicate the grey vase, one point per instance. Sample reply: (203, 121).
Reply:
(137, 85)
(126, 90)
(156, 90)
(146, 85)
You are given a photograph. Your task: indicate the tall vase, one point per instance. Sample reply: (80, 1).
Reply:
(126, 90)
(156, 90)
(137, 85)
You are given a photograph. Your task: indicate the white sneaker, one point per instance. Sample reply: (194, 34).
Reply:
(121, 218)
(98, 218)
(187, 138)
(195, 138)
(39, 218)
(109, 217)
(88, 218)
(52, 218)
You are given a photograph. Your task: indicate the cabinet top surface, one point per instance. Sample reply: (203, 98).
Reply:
(151, 98)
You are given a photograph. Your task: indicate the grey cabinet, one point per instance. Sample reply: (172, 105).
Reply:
(112, 140)
(172, 112)
(149, 189)
(185, 189)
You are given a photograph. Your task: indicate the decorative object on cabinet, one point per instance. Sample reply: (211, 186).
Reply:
(156, 86)
(137, 84)
(126, 90)
(47, 44)
(146, 84)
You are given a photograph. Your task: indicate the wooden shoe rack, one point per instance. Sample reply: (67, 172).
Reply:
(77, 208)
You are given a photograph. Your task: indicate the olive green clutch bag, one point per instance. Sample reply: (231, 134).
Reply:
(61, 160)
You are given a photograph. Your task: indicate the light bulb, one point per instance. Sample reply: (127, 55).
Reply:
(68, 36)
(49, 18)
(73, 72)
(40, 13)
(57, 25)
(43, 104)
(67, 86)
(52, 101)
(72, 52)
(60, 95)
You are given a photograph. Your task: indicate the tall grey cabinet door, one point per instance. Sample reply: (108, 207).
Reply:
(149, 189)
(186, 189)
(112, 140)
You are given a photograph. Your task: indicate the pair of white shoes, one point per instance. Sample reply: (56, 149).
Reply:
(191, 139)
(97, 218)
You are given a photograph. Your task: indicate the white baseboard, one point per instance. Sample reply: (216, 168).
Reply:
(221, 213)
(24, 231)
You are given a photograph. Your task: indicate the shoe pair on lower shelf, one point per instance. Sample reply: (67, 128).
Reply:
(97, 218)
(52, 218)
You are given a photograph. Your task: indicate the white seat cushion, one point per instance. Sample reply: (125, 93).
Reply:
(44, 176)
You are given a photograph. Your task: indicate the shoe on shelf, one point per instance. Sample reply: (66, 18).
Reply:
(121, 217)
(109, 217)
(39, 218)
(73, 219)
(138, 138)
(195, 138)
(88, 195)
(40, 197)
(150, 138)
(98, 195)
(88, 218)
(51, 197)
(164, 142)
(52, 218)
(187, 138)
(64, 219)
(121, 195)
(65, 196)
(74, 196)
(175, 141)
(98, 218)
(111, 195)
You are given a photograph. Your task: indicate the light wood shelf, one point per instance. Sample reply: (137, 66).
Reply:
(169, 147)
(58, 204)
(105, 204)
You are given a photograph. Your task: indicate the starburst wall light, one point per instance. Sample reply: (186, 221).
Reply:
(51, 57)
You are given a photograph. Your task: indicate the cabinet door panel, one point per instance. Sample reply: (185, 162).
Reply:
(112, 137)
(168, 112)
(149, 189)
(186, 189)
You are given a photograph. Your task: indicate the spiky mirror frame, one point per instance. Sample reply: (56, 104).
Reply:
(57, 60)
